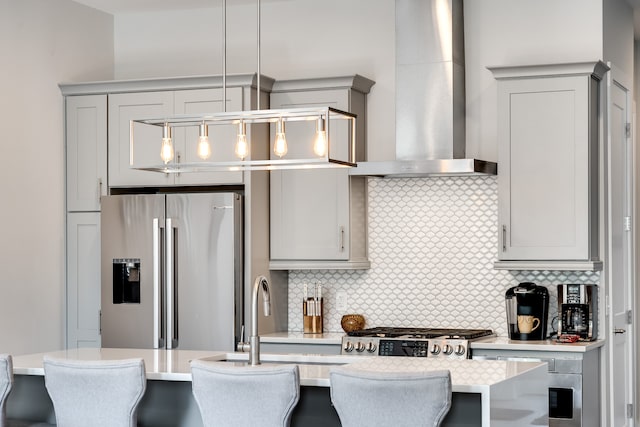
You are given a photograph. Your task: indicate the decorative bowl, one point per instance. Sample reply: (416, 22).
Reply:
(352, 322)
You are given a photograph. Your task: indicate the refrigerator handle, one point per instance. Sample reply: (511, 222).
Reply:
(172, 314)
(158, 337)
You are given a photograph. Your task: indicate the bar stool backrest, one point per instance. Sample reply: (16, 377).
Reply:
(96, 393)
(385, 398)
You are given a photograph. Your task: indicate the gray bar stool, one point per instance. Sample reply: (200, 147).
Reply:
(96, 393)
(245, 396)
(386, 398)
(6, 384)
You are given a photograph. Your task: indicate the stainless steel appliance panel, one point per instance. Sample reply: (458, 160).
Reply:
(127, 233)
(184, 252)
(207, 258)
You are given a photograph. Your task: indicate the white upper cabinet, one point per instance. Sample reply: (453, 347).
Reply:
(221, 137)
(548, 133)
(86, 148)
(318, 216)
(124, 107)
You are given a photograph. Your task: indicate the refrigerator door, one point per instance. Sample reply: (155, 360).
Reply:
(204, 265)
(131, 276)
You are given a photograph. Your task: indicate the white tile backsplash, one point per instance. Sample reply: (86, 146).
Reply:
(432, 244)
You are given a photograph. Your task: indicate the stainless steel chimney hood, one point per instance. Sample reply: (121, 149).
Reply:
(430, 95)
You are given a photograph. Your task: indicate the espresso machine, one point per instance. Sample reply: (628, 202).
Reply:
(527, 311)
(578, 311)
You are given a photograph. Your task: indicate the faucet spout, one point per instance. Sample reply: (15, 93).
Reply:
(261, 282)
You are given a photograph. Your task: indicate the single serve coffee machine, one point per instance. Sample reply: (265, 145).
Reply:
(578, 311)
(527, 311)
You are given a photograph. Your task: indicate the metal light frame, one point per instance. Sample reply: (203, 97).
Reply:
(328, 114)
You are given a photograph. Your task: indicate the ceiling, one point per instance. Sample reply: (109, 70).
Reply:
(115, 7)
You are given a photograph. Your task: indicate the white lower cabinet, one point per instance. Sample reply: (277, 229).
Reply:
(83, 279)
(548, 133)
(318, 217)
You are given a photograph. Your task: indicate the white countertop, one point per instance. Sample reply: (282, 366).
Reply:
(503, 343)
(473, 376)
(302, 338)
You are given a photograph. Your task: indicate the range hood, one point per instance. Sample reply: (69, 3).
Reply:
(430, 95)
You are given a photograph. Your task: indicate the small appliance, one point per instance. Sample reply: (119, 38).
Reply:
(578, 311)
(527, 311)
(412, 342)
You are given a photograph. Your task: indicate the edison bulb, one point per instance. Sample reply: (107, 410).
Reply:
(242, 146)
(320, 143)
(204, 147)
(280, 145)
(166, 150)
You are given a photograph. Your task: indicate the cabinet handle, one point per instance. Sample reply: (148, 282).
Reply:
(99, 190)
(504, 238)
(342, 239)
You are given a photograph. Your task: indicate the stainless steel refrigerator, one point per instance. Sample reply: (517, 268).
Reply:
(172, 271)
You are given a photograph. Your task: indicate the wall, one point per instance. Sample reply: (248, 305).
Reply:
(43, 42)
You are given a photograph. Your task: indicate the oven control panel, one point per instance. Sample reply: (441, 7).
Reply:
(406, 347)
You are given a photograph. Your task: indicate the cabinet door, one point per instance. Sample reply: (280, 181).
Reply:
(83, 279)
(310, 208)
(544, 155)
(221, 138)
(86, 147)
(123, 108)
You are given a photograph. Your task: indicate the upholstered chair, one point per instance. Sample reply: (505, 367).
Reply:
(6, 382)
(245, 396)
(97, 393)
(384, 398)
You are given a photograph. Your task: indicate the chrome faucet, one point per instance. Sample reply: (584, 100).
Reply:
(254, 341)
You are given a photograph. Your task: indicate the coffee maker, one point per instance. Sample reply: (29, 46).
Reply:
(527, 311)
(578, 311)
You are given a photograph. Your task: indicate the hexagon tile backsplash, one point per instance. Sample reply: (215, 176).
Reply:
(432, 244)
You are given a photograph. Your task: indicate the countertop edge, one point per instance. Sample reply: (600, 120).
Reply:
(501, 343)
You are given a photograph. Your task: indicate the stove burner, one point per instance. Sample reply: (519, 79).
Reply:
(421, 333)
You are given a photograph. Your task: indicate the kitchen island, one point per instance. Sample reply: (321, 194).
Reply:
(486, 393)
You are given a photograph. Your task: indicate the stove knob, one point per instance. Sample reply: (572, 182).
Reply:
(360, 347)
(435, 349)
(447, 349)
(371, 347)
(460, 350)
(348, 347)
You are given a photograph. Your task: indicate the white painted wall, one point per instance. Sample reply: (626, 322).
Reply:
(43, 42)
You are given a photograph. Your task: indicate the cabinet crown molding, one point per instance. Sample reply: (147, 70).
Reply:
(165, 83)
(596, 68)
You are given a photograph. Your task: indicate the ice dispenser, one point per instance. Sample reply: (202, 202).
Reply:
(126, 281)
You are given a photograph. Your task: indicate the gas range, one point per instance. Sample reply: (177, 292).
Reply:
(412, 342)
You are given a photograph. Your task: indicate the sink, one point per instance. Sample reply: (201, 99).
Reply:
(241, 359)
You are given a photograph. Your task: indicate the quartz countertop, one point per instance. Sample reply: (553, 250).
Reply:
(504, 343)
(334, 338)
(472, 376)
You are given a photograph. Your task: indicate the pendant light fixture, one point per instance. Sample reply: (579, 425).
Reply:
(318, 120)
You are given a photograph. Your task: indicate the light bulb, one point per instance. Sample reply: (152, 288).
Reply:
(204, 147)
(320, 141)
(166, 151)
(242, 146)
(280, 145)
